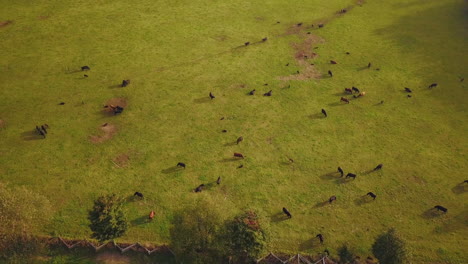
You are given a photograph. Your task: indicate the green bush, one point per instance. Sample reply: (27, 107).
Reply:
(389, 248)
(245, 238)
(346, 256)
(108, 220)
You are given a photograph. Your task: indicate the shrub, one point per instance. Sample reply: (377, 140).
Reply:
(245, 238)
(346, 256)
(108, 220)
(389, 248)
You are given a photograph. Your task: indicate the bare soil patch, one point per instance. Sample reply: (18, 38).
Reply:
(122, 160)
(303, 54)
(122, 102)
(107, 132)
(5, 23)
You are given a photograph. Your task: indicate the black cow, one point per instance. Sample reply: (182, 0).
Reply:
(268, 94)
(212, 96)
(330, 73)
(85, 68)
(320, 237)
(199, 188)
(44, 129)
(240, 166)
(118, 110)
(441, 208)
(369, 65)
(62, 103)
(321, 25)
(408, 90)
(125, 83)
(224, 131)
(466, 181)
(371, 194)
(379, 167)
(264, 39)
(239, 140)
(340, 170)
(252, 92)
(247, 43)
(324, 112)
(433, 85)
(299, 24)
(333, 198)
(40, 131)
(85, 75)
(180, 164)
(355, 89)
(218, 181)
(287, 212)
(351, 175)
(287, 64)
(139, 194)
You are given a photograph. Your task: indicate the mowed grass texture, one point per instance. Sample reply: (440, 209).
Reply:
(175, 53)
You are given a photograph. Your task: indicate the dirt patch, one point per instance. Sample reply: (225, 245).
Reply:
(417, 180)
(121, 160)
(5, 23)
(108, 131)
(303, 54)
(112, 257)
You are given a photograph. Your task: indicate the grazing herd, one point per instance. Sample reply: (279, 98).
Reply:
(42, 130)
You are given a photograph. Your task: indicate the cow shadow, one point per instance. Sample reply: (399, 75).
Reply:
(336, 104)
(31, 135)
(459, 188)
(279, 217)
(317, 116)
(309, 244)
(171, 170)
(363, 200)
(74, 71)
(140, 221)
(114, 86)
(329, 176)
(202, 100)
(430, 214)
(229, 159)
(367, 172)
(230, 144)
(321, 204)
(210, 185)
(362, 68)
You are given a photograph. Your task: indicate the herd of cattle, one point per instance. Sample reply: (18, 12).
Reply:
(42, 130)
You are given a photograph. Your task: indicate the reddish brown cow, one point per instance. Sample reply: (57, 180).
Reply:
(344, 100)
(151, 215)
(238, 155)
(348, 90)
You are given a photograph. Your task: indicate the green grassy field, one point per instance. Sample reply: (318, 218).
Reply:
(176, 52)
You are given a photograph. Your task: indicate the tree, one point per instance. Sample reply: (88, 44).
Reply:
(389, 248)
(22, 213)
(245, 238)
(196, 232)
(346, 256)
(108, 220)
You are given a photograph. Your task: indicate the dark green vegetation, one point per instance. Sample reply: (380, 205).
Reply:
(108, 219)
(389, 248)
(175, 53)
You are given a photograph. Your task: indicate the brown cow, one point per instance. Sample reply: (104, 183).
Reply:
(333, 62)
(151, 215)
(238, 155)
(348, 90)
(333, 198)
(344, 100)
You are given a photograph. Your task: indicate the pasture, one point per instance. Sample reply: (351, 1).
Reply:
(176, 52)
